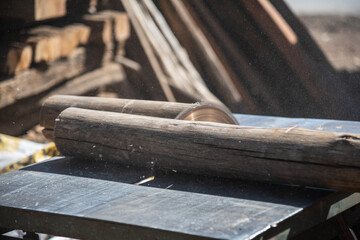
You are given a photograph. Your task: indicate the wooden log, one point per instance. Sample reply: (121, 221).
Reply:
(18, 57)
(32, 10)
(283, 155)
(54, 105)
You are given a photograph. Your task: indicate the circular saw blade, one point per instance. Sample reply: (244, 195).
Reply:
(208, 112)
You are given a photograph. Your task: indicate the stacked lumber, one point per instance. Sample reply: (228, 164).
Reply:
(169, 63)
(68, 55)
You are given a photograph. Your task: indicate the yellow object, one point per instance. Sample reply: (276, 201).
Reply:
(13, 150)
(8, 143)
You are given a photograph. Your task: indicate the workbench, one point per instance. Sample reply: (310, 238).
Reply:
(76, 198)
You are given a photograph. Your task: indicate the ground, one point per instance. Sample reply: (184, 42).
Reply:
(338, 36)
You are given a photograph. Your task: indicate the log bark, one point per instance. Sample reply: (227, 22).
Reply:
(54, 105)
(283, 155)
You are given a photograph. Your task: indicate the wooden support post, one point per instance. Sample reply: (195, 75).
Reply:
(282, 155)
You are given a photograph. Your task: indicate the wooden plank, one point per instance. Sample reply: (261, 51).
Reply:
(16, 88)
(72, 36)
(149, 51)
(82, 31)
(40, 46)
(16, 58)
(321, 159)
(111, 73)
(248, 81)
(51, 41)
(32, 10)
(211, 64)
(27, 110)
(102, 200)
(54, 105)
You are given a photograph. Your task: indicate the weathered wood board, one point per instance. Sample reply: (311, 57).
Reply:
(90, 199)
(28, 109)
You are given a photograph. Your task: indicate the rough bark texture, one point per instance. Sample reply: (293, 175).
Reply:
(284, 155)
(54, 105)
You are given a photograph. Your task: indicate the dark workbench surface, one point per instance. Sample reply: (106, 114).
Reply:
(92, 200)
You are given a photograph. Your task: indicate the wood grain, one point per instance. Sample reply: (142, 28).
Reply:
(16, 88)
(213, 69)
(102, 203)
(54, 105)
(16, 122)
(285, 155)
